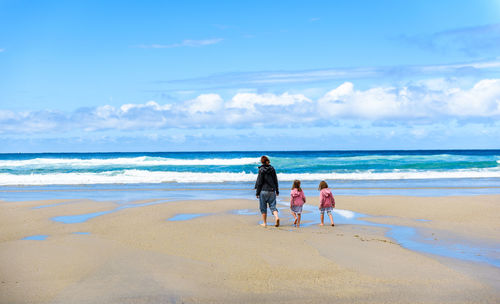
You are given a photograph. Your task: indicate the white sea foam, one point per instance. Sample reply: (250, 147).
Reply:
(396, 175)
(144, 176)
(389, 157)
(345, 213)
(125, 161)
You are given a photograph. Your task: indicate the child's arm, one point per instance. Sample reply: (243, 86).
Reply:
(303, 197)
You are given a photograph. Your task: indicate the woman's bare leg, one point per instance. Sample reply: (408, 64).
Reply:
(264, 219)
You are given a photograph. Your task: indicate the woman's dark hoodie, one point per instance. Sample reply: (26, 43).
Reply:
(266, 180)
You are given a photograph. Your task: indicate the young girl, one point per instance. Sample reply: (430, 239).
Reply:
(326, 202)
(297, 200)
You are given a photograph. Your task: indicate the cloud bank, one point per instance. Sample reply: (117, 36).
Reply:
(424, 102)
(430, 100)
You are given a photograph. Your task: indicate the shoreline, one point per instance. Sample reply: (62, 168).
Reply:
(86, 187)
(236, 190)
(162, 260)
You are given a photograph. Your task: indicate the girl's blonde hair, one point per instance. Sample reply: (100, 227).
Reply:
(322, 185)
(296, 185)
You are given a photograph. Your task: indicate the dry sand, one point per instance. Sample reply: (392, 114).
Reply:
(136, 255)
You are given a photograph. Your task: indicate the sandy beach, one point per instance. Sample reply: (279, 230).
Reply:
(140, 141)
(218, 253)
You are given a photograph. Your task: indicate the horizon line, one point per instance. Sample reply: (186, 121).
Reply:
(260, 151)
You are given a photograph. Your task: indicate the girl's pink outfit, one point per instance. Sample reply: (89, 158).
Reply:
(297, 198)
(326, 199)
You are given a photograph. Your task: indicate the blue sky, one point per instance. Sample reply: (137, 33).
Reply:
(256, 75)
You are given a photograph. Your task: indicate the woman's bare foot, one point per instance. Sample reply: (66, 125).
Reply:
(277, 223)
(333, 224)
(263, 225)
(322, 224)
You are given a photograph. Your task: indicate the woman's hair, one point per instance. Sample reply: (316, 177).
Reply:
(296, 185)
(322, 185)
(264, 160)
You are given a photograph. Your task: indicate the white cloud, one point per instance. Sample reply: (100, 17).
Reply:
(374, 103)
(126, 117)
(345, 89)
(427, 99)
(250, 100)
(425, 102)
(150, 104)
(204, 103)
(482, 100)
(130, 110)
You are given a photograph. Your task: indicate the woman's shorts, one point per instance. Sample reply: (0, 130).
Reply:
(296, 209)
(327, 209)
(267, 198)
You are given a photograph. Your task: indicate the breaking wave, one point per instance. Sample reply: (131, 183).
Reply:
(154, 177)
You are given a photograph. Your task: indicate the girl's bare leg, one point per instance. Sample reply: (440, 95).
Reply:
(322, 219)
(298, 219)
(295, 217)
(277, 219)
(331, 218)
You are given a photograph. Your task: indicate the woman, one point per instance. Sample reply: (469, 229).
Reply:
(267, 190)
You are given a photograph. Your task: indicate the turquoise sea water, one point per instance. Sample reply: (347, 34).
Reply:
(349, 172)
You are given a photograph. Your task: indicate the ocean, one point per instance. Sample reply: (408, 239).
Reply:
(428, 172)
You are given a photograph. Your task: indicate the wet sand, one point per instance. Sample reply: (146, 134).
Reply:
(138, 255)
